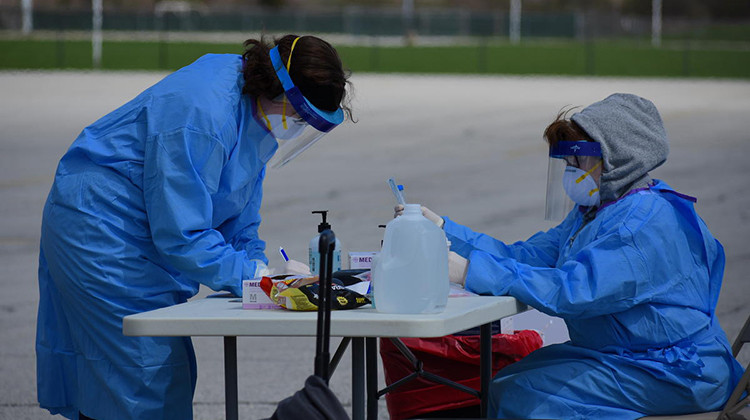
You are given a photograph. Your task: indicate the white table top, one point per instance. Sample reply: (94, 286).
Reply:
(217, 316)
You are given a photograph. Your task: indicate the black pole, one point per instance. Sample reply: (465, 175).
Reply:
(358, 378)
(322, 354)
(230, 378)
(320, 370)
(327, 245)
(485, 366)
(371, 367)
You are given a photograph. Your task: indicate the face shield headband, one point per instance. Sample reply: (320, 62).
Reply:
(568, 158)
(296, 134)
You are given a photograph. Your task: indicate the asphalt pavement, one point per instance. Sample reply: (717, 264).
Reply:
(468, 147)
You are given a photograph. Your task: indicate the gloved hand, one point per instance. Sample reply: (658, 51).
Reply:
(261, 269)
(429, 214)
(457, 267)
(296, 267)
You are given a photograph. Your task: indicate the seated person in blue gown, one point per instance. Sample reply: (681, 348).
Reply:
(632, 269)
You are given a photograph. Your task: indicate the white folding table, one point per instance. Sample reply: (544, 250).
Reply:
(223, 316)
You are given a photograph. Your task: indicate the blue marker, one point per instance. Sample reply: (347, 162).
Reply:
(283, 254)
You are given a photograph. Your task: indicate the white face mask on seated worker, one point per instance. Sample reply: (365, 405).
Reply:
(581, 186)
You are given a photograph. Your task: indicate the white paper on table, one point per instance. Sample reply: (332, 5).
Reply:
(361, 287)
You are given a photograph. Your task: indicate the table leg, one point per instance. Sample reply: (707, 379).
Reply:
(358, 378)
(371, 361)
(338, 355)
(230, 378)
(485, 366)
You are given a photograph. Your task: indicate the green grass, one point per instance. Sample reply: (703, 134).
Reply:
(542, 58)
(726, 32)
(125, 55)
(600, 59)
(44, 54)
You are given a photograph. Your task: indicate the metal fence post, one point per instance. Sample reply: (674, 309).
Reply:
(656, 23)
(96, 34)
(28, 17)
(515, 21)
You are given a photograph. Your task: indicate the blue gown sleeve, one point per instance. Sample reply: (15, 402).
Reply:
(182, 168)
(607, 276)
(541, 250)
(242, 231)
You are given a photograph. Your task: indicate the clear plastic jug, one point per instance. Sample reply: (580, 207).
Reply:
(411, 274)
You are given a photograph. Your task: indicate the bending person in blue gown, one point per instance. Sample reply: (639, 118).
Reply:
(632, 269)
(159, 196)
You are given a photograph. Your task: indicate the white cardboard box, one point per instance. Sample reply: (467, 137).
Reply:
(361, 260)
(253, 297)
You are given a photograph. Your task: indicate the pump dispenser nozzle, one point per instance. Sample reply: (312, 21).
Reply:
(314, 255)
(323, 225)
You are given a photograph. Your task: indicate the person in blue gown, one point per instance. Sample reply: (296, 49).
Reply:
(157, 197)
(632, 270)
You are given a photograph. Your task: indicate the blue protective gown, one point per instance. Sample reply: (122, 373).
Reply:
(637, 287)
(155, 198)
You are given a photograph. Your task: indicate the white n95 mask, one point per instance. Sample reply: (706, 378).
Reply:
(295, 127)
(580, 186)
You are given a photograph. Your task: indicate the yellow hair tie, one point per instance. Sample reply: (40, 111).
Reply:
(288, 64)
(263, 113)
(289, 60)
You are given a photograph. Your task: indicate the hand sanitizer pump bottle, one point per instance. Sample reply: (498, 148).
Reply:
(411, 274)
(314, 254)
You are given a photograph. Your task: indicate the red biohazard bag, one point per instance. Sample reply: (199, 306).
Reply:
(454, 357)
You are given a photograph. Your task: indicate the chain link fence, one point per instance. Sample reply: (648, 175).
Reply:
(585, 42)
(355, 21)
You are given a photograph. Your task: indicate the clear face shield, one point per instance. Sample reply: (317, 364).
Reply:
(295, 122)
(571, 177)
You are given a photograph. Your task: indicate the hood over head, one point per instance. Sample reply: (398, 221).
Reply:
(634, 142)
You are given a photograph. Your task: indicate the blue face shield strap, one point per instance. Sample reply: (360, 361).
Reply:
(323, 121)
(575, 148)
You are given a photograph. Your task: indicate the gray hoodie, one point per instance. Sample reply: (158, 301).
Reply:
(631, 133)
